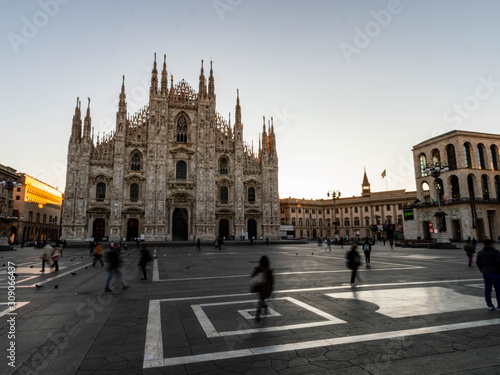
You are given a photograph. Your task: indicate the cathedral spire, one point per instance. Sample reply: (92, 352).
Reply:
(211, 85)
(87, 122)
(76, 130)
(122, 105)
(202, 89)
(264, 137)
(164, 77)
(238, 108)
(154, 79)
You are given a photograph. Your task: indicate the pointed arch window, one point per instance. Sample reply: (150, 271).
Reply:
(452, 160)
(182, 127)
(135, 164)
(224, 194)
(423, 165)
(181, 170)
(251, 194)
(494, 157)
(223, 166)
(467, 155)
(100, 191)
(134, 192)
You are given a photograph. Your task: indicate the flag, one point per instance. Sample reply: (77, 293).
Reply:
(384, 173)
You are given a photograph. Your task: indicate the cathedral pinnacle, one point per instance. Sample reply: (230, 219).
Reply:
(154, 79)
(211, 84)
(238, 108)
(122, 105)
(202, 89)
(164, 77)
(86, 127)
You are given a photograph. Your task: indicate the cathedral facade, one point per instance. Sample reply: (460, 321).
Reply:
(175, 170)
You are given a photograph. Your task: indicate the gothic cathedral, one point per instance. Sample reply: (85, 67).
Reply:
(175, 170)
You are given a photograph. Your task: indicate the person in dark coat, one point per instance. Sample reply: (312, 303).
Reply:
(353, 262)
(114, 268)
(488, 262)
(367, 249)
(144, 260)
(265, 285)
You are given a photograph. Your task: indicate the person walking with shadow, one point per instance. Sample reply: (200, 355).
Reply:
(367, 249)
(262, 283)
(114, 268)
(353, 262)
(488, 262)
(144, 260)
(198, 244)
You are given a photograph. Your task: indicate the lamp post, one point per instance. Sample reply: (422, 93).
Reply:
(9, 186)
(435, 171)
(335, 195)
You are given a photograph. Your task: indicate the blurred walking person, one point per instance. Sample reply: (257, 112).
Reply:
(488, 262)
(262, 283)
(353, 262)
(114, 269)
(144, 260)
(469, 250)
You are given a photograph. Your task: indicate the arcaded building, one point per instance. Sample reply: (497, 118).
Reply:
(175, 170)
(466, 194)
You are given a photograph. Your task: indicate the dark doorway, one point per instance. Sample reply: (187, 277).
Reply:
(455, 230)
(98, 229)
(132, 229)
(180, 225)
(252, 229)
(426, 230)
(224, 229)
(480, 230)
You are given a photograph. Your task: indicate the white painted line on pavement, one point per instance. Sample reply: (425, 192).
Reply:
(317, 289)
(18, 305)
(323, 343)
(205, 323)
(156, 273)
(55, 277)
(153, 350)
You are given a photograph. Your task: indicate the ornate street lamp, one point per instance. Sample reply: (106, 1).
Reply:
(435, 171)
(9, 186)
(335, 195)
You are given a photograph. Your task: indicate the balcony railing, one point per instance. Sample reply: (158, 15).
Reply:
(453, 201)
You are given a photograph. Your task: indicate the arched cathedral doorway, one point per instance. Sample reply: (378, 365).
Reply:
(252, 229)
(132, 229)
(180, 228)
(224, 229)
(98, 229)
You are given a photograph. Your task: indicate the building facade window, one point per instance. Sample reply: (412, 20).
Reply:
(251, 195)
(224, 194)
(467, 155)
(423, 165)
(452, 159)
(494, 157)
(388, 207)
(135, 164)
(436, 157)
(181, 170)
(470, 186)
(481, 156)
(455, 187)
(497, 187)
(223, 169)
(100, 191)
(485, 187)
(134, 192)
(182, 129)
(347, 222)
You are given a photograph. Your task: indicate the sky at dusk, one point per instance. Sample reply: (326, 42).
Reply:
(350, 84)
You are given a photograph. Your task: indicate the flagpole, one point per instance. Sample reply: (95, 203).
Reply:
(386, 183)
